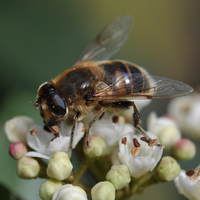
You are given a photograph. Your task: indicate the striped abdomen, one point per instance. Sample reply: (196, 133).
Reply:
(124, 77)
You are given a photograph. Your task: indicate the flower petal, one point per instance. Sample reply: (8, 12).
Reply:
(36, 154)
(41, 140)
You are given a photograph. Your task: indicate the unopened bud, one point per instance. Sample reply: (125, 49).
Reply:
(165, 128)
(48, 188)
(119, 176)
(184, 149)
(96, 146)
(17, 150)
(16, 128)
(59, 166)
(103, 190)
(27, 168)
(168, 169)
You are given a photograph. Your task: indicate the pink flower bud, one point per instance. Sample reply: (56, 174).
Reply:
(184, 149)
(17, 150)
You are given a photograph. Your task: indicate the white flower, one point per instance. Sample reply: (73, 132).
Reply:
(186, 111)
(16, 128)
(110, 132)
(189, 186)
(69, 192)
(145, 161)
(165, 128)
(45, 144)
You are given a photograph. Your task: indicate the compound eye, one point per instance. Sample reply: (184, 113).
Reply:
(56, 105)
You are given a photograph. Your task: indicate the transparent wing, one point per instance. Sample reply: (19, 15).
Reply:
(144, 87)
(108, 41)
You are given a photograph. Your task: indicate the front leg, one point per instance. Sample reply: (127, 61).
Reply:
(97, 116)
(76, 117)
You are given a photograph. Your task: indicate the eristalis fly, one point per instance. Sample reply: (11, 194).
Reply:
(95, 84)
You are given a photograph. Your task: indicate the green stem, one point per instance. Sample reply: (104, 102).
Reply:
(81, 171)
(87, 189)
(141, 181)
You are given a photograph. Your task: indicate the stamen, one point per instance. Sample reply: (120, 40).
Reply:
(124, 140)
(144, 139)
(190, 172)
(55, 129)
(33, 132)
(54, 138)
(135, 151)
(136, 143)
(153, 142)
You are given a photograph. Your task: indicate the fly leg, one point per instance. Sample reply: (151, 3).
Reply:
(76, 117)
(97, 116)
(137, 122)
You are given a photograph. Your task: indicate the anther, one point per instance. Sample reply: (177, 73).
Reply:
(153, 142)
(136, 143)
(124, 140)
(190, 172)
(115, 119)
(197, 171)
(33, 132)
(55, 129)
(135, 151)
(144, 139)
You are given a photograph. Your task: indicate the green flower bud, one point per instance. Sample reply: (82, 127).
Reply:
(119, 176)
(96, 148)
(168, 169)
(48, 188)
(103, 190)
(184, 149)
(59, 166)
(27, 168)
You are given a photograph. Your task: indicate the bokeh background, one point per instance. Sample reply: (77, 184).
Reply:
(40, 39)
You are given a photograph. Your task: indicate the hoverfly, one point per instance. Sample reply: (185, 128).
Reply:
(94, 84)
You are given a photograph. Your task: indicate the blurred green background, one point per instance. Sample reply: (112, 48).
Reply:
(40, 39)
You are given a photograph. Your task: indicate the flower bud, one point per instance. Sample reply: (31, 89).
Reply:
(165, 128)
(59, 166)
(168, 169)
(119, 176)
(96, 146)
(16, 128)
(17, 150)
(184, 149)
(27, 168)
(103, 190)
(48, 188)
(69, 192)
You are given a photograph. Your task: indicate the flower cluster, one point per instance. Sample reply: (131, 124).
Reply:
(117, 156)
